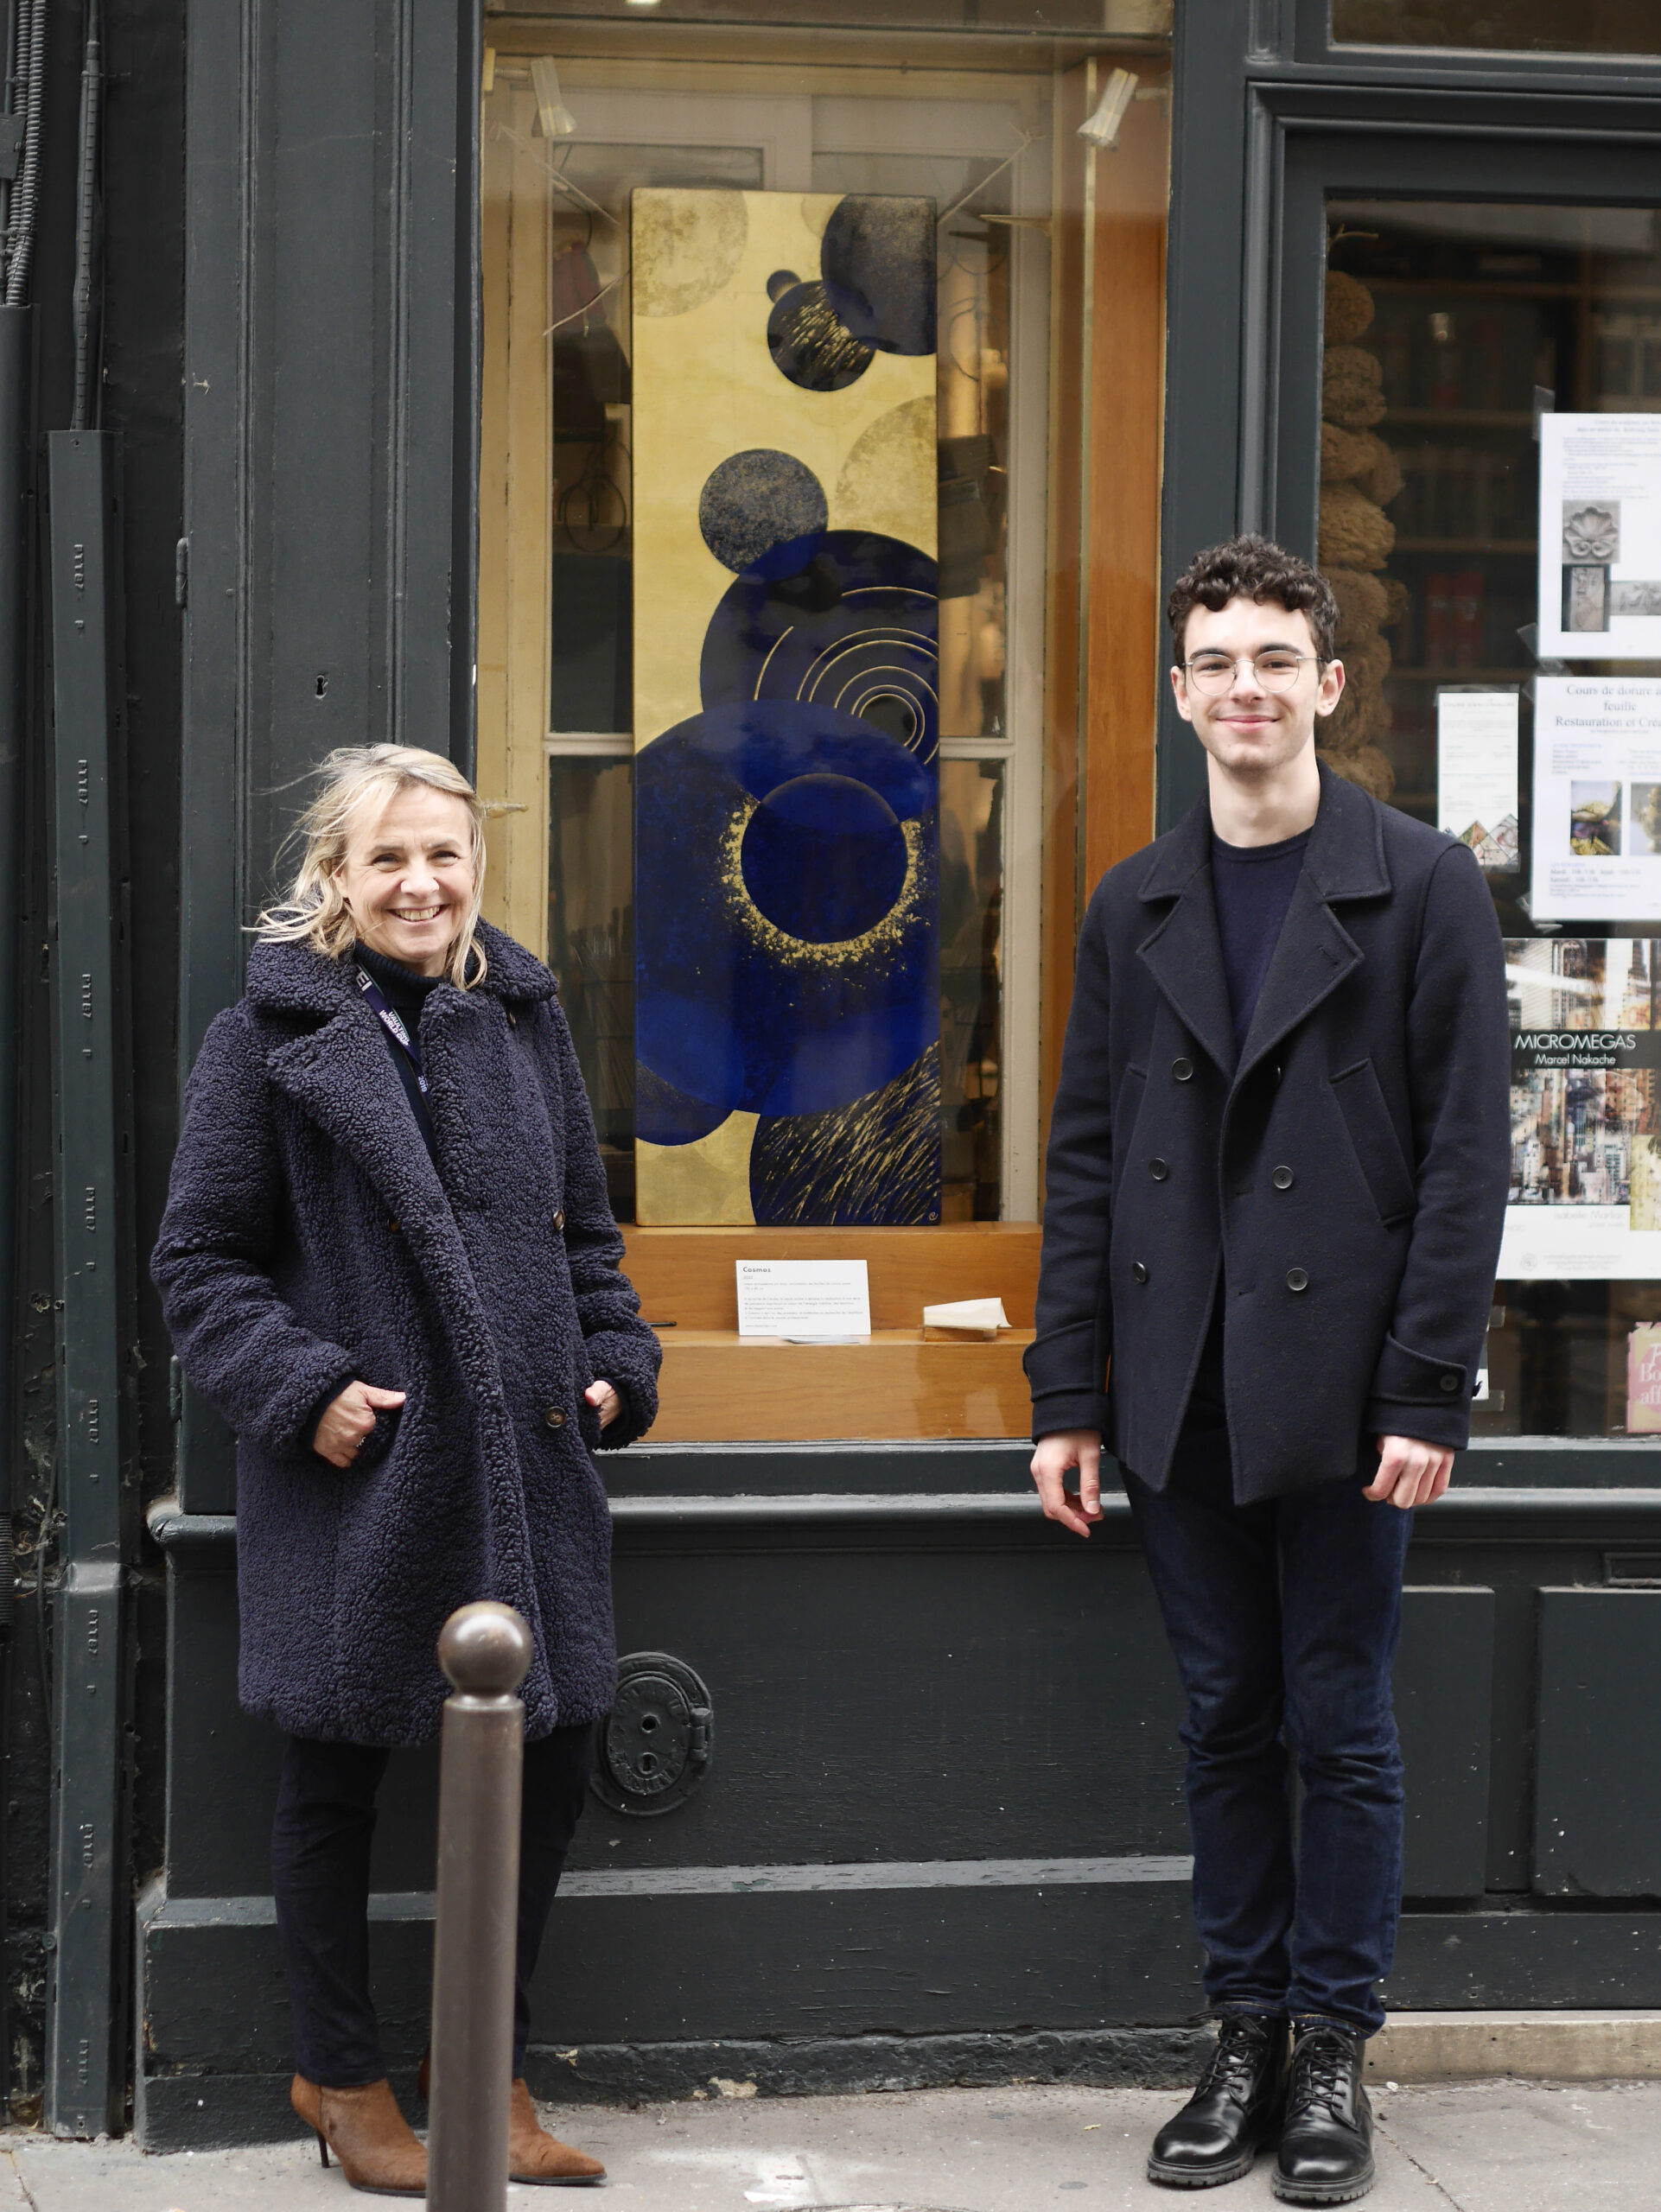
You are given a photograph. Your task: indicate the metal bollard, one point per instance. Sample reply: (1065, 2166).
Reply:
(484, 1650)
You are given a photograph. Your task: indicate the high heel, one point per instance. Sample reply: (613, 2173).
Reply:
(374, 2145)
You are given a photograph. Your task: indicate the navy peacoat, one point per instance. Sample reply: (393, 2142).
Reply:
(1341, 1185)
(309, 1238)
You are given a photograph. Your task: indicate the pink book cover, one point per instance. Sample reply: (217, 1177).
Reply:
(1644, 1380)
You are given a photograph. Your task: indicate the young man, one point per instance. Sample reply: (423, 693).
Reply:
(1277, 1178)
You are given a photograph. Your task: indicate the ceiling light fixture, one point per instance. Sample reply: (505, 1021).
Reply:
(554, 119)
(1102, 128)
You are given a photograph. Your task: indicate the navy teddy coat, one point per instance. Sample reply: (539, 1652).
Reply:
(310, 1239)
(1342, 1179)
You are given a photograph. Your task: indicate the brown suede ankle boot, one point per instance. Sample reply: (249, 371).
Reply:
(533, 2155)
(375, 2145)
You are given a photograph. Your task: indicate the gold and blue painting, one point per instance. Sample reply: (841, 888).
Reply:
(786, 664)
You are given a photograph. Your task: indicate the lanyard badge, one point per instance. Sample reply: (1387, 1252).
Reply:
(395, 1028)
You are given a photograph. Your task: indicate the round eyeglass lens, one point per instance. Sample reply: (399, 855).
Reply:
(1214, 674)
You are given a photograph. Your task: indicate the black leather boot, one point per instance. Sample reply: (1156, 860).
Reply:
(1233, 2112)
(1326, 2154)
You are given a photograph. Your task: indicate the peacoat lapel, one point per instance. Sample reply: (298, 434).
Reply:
(1184, 954)
(1343, 860)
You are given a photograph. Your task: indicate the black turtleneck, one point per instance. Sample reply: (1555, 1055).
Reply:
(406, 993)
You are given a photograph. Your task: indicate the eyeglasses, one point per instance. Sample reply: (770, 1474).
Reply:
(1213, 673)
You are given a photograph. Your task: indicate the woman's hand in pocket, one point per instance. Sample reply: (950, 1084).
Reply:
(348, 1419)
(606, 1402)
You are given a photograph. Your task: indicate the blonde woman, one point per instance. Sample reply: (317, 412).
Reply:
(388, 1260)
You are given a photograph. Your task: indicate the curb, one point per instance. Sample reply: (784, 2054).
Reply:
(1522, 2046)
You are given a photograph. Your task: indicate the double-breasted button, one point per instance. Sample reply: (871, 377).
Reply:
(554, 1417)
(1138, 1273)
(1182, 1069)
(1450, 1383)
(1158, 1170)
(1297, 1279)
(391, 1226)
(1281, 1179)
(559, 1222)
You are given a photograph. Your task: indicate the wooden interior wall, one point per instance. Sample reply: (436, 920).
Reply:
(515, 463)
(1107, 382)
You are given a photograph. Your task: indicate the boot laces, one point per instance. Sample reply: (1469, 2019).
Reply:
(1320, 2069)
(1239, 2055)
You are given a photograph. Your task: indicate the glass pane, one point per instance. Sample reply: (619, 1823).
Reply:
(591, 945)
(971, 891)
(1515, 26)
(1449, 326)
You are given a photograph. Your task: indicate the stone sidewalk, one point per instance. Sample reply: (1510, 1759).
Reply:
(1479, 2147)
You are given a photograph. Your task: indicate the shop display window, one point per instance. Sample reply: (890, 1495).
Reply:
(799, 472)
(1503, 26)
(1504, 685)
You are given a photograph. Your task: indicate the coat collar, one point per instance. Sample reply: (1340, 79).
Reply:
(297, 979)
(1343, 860)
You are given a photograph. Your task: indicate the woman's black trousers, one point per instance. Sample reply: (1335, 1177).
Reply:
(320, 1875)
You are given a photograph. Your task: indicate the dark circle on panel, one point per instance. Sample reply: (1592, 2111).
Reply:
(893, 712)
(810, 346)
(654, 1747)
(877, 258)
(664, 1114)
(762, 504)
(824, 857)
(780, 282)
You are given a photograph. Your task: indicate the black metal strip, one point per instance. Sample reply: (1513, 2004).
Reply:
(85, 2086)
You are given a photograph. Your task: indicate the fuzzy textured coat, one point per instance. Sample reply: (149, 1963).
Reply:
(309, 1238)
(1342, 1177)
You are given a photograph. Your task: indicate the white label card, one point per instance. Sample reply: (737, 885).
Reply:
(803, 1298)
(1476, 773)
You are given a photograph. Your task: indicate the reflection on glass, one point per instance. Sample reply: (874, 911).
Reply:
(1515, 26)
(971, 889)
(591, 945)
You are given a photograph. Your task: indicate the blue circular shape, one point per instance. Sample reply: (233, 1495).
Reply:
(762, 503)
(824, 858)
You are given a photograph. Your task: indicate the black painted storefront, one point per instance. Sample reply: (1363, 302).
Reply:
(940, 1837)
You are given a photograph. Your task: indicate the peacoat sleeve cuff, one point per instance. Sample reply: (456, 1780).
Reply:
(1415, 1395)
(1059, 1410)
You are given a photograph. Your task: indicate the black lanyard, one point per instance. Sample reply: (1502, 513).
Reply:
(395, 1028)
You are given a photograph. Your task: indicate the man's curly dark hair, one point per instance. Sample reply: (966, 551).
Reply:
(1250, 567)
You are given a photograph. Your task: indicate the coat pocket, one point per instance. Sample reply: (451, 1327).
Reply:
(1373, 1140)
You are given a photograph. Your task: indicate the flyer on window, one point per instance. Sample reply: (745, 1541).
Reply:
(1476, 771)
(1596, 839)
(1599, 536)
(1586, 1083)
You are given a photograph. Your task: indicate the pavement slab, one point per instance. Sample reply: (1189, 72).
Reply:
(1477, 2147)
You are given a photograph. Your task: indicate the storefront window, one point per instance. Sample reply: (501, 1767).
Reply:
(821, 391)
(1491, 517)
(1512, 26)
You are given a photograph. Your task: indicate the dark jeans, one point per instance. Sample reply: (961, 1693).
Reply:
(320, 1875)
(1283, 1616)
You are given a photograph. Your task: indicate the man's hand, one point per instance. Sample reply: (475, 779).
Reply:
(347, 1419)
(1075, 1447)
(1409, 1473)
(606, 1402)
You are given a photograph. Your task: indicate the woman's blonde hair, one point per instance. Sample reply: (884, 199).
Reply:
(352, 777)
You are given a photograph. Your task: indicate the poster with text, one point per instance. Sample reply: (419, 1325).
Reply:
(1476, 773)
(1586, 1080)
(1601, 536)
(1596, 835)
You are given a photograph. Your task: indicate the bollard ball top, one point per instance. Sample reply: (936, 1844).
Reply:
(485, 1649)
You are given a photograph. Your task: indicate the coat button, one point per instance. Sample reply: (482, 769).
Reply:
(554, 1417)
(1297, 1279)
(1158, 1170)
(1281, 1179)
(559, 1222)
(1450, 1383)
(393, 1227)
(1138, 1273)
(1182, 1069)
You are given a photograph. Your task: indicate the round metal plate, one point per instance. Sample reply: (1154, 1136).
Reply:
(654, 1746)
